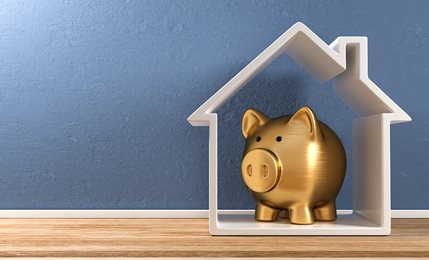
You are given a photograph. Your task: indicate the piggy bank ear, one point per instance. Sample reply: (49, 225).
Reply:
(307, 119)
(252, 119)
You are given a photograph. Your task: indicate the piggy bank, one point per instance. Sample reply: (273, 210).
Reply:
(293, 165)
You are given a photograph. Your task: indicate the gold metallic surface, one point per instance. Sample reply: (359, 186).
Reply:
(261, 164)
(293, 165)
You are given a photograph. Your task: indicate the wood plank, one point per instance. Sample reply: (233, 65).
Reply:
(189, 237)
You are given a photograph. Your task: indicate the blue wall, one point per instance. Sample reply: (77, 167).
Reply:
(94, 95)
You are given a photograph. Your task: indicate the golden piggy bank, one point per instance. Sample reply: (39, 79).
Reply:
(295, 164)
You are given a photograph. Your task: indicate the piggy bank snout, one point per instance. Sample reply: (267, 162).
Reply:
(260, 170)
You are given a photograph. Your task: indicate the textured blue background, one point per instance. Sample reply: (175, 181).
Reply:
(94, 95)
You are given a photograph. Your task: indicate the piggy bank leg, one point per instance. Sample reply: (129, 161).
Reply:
(301, 214)
(326, 212)
(265, 213)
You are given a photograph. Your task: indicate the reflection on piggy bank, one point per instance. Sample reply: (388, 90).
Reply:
(292, 164)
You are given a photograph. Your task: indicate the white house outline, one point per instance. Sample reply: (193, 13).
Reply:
(344, 60)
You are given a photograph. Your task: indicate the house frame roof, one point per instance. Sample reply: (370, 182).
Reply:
(324, 62)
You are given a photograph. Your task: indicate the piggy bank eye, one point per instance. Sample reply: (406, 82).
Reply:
(279, 138)
(258, 139)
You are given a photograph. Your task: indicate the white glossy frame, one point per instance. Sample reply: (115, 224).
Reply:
(346, 62)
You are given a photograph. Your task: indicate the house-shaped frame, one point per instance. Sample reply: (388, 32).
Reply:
(345, 61)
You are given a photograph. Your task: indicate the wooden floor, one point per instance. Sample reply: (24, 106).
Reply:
(189, 237)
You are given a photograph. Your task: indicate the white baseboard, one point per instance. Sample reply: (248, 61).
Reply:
(424, 213)
(410, 213)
